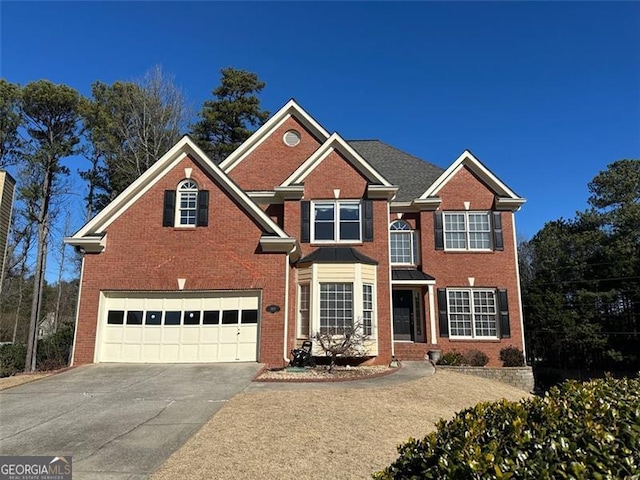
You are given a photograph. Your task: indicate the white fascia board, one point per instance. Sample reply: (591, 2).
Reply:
(467, 159)
(291, 192)
(290, 109)
(148, 179)
(512, 204)
(93, 244)
(335, 143)
(382, 191)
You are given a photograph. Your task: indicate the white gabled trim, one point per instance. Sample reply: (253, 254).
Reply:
(467, 159)
(149, 178)
(335, 143)
(291, 109)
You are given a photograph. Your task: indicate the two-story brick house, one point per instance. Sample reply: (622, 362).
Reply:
(295, 232)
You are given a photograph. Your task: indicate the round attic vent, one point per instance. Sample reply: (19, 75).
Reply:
(291, 138)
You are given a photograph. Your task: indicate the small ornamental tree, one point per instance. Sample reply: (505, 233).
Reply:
(342, 342)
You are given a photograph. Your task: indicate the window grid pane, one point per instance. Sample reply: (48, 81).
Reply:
(324, 221)
(460, 313)
(367, 309)
(454, 231)
(336, 307)
(187, 205)
(479, 231)
(401, 249)
(303, 314)
(484, 307)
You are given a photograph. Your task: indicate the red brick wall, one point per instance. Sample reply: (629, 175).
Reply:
(142, 255)
(273, 161)
(496, 269)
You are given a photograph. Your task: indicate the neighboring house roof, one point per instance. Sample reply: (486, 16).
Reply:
(337, 255)
(410, 173)
(93, 231)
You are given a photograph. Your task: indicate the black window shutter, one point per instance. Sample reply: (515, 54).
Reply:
(442, 312)
(503, 305)
(368, 221)
(305, 222)
(439, 231)
(498, 243)
(169, 212)
(202, 218)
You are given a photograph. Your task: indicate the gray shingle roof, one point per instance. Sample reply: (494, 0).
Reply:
(410, 173)
(408, 274)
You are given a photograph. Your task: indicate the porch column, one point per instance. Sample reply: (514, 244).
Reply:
(432, 316)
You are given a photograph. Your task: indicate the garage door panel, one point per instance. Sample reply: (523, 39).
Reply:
(191, 335)
(171, 335)
(170, 353)
(181, 327)
(209, 335)
(150, 353)
(152, 335)
(133, 335)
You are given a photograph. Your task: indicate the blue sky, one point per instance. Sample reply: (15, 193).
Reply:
(545, 94)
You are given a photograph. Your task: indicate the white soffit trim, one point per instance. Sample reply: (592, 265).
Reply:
(467, 159)
(291, 109)
(149, 178)
(335, 143)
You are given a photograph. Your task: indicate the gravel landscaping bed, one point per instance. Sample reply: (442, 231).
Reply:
(321, 374)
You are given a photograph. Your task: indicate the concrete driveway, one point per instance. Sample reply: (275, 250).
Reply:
(118, 421)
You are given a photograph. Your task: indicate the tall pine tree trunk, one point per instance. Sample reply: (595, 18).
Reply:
(38, 281)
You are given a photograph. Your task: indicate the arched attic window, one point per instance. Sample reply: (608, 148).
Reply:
(403, 244)
(187, 206)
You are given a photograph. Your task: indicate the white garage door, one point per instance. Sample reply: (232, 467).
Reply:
(179, 328)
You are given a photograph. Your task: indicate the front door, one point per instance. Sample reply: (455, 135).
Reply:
(403, 315)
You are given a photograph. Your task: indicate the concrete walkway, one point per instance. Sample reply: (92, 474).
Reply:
(117, 421)
(409, 371)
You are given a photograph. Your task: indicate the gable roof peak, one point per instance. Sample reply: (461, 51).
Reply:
(290, 109)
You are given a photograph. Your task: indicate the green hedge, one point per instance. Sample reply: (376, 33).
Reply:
(12, 357)
(576, 431)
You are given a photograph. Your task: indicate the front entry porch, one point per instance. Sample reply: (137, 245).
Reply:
(413, 314)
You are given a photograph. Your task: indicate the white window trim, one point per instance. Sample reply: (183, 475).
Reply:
(473, 314)
(299, 310)
(336, 221)
(373, 307)
(176, 222)
(466, 231)
(414, 243)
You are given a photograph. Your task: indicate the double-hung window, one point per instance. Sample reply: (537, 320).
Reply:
(367, 309)
(187, 210)
(337, 221)
(403, 244)
(467, 231)
(472, 313)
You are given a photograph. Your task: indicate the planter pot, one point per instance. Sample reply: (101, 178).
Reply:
(434, 355)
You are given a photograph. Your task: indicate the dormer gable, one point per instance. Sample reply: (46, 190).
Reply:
(505, 198)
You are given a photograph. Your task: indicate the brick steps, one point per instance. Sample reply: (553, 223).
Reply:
(412, 351)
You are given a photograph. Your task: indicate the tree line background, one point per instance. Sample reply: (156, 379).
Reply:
(580, 277)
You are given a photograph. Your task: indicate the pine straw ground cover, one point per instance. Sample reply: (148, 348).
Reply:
(335, 433)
